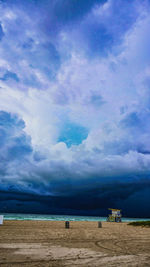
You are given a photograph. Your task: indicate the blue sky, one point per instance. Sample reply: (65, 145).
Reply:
(75, 106)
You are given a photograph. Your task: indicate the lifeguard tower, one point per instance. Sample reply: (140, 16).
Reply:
(115, 216)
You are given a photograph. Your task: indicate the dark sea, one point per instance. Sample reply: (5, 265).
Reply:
(41, 217)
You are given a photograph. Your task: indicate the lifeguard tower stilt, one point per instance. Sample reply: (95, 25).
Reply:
(115, 216)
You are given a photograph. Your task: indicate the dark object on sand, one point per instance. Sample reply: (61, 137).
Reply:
(99, 225)
(1, 219)
(140, 223)
(67, 225)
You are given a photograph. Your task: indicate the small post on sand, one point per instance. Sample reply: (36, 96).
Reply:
(1, 219)
(99, 225)
(67, 225)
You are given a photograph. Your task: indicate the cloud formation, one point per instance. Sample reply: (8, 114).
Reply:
(75, 104)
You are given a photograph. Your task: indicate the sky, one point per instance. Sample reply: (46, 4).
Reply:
(75, 106)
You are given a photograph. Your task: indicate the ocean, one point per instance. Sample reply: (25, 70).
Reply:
(41, 217)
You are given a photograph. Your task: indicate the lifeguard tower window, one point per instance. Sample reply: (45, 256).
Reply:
(115, 215)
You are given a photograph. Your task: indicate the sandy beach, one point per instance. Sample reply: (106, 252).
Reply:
(48, 243)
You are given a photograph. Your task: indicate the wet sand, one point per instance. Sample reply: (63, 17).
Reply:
(48, 243)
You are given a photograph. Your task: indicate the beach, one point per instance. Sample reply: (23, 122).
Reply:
(48, 243)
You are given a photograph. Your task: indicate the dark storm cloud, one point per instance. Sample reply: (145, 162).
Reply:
(14, 143)
(89, 202)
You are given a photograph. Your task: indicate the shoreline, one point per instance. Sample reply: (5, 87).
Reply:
(51, 217)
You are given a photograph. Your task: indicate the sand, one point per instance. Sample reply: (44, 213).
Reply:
(48, 243)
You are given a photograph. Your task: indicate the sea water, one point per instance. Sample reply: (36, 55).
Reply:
(41, 217)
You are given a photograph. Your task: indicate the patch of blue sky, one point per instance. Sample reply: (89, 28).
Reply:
(99, 39)
(68, 10)
(9, 75)
(73, 134)
(1, 32)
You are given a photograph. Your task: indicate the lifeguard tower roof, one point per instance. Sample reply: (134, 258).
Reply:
(115, 209)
